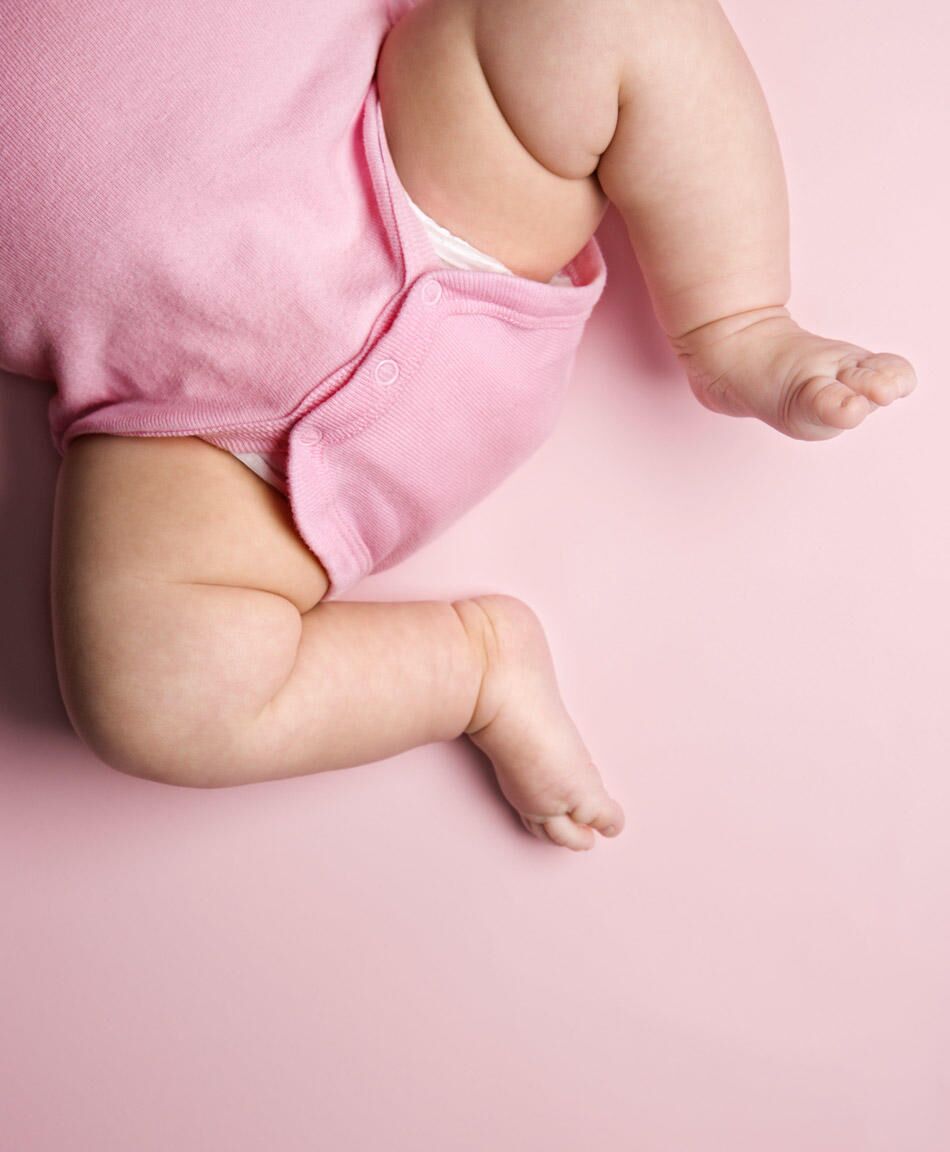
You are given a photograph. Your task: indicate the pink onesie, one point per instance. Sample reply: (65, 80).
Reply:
(202, 233)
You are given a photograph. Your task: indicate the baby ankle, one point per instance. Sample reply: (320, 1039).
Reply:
(694, 340)
(479, 630)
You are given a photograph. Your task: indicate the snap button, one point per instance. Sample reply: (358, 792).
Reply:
(315, 435)
(386, 371)
(432, 292)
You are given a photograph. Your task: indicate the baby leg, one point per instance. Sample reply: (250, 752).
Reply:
(192, 647)
(656, 101)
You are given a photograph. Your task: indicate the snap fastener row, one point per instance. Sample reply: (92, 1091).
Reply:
(386, 371)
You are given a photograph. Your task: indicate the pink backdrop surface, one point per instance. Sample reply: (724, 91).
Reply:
(751, 633)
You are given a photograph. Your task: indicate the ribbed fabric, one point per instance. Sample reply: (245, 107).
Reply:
(453, 252)
(202, 233)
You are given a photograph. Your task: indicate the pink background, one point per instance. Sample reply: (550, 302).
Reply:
(751, 633)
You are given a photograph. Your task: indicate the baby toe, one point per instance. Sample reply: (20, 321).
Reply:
(826, 401)
(534, 828)
(893, 367)
(563, 831)
(601, 813)
(882, 377)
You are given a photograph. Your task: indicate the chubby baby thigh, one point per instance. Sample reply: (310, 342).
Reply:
(181, 509)
(178, 583)
(480, 139)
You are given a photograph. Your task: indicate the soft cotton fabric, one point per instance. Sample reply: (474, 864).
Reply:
(202, 233)
(453, 252)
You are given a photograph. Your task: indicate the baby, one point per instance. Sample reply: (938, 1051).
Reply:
(309, 277)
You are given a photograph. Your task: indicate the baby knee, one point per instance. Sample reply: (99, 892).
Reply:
(135, 741)
(163, 681)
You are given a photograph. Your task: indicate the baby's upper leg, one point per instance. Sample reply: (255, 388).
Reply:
(178, 508)
(464, 123)
(178, 584)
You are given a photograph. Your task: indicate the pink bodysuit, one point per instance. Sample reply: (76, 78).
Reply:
(202, 233)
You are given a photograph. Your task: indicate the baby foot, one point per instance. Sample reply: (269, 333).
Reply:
(521, 724)
(762, 364)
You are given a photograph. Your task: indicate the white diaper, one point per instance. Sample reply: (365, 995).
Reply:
(454, 252)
